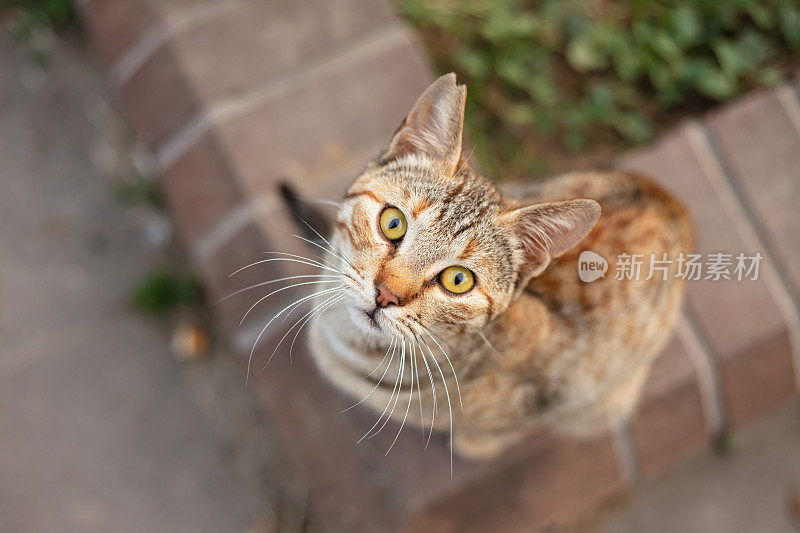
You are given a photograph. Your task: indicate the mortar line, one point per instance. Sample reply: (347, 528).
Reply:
(704, 363)
(134, 58)
(721, 180)
(623, 450)
(230, 107)
(245, 212)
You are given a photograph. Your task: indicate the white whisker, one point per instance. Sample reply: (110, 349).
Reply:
(394, 342)
(449, 404)
(231, 295)
(386, 409)
(333, 249)
(433, 389)
(399, 390)
(271, 320)
(392, 346)
(489, 344)
(302, 261)
(408, 407)
(284, 289)
(307, 317)
(330, 251)
(458, 387)
(419, 392)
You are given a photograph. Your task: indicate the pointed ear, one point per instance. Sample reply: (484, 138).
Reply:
(434, 126)
(546, 231)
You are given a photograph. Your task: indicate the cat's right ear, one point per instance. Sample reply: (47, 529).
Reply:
(546, 231)
(434, 126)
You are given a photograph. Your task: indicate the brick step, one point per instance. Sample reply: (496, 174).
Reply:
(233, 96)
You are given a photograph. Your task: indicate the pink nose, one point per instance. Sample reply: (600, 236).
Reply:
(385, 297)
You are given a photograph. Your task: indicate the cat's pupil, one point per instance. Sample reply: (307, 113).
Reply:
(459, 278)
(394, 223)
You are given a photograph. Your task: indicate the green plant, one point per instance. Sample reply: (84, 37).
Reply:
(55, 14)
(163, 291)
(140, 190)
(31, 18)
(575, 75)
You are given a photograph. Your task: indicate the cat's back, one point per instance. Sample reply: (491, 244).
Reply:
(641, 234)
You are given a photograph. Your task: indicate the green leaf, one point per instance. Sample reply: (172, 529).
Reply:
(634, 127)
(789, 21)
(520, 114)
(663, 44)
(730, 57)
(770, 77)
(584, 55)
(474, 62)
(687, 27)
(162, 291)
(513, 72)
(545, 122)
(542, 89)
(600, 101)
(575, 141)
(761, 14)
(713, 83)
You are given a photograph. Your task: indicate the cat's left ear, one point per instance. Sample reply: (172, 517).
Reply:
(546, 231)
(434, 126)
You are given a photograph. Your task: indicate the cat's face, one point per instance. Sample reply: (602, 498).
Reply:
(429, 245)
(424, 251)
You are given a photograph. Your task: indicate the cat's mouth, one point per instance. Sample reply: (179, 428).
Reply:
(371, 320)
(371, 317)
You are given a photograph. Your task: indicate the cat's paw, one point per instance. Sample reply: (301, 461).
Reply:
(481, 447)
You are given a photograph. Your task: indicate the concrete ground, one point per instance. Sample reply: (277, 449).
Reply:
(101, 429)
(742, 492)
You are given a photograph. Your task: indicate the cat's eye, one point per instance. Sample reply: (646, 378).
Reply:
(393, 223)
(457, 279)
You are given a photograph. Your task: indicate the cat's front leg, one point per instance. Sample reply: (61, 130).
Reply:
(482, 446)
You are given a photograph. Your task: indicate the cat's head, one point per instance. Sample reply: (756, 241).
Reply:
(428, 243)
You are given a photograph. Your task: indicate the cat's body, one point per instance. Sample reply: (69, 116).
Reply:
(530, 343)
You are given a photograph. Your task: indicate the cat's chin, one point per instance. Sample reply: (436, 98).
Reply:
(373, 326)
(363, 321)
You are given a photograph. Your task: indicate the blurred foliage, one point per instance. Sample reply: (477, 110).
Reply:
(163, 291)
(140, 190)
(577, 73)
(54, 14)
(31, 18)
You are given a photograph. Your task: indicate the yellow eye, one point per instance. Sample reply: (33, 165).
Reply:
(457, 279)
(393, 223)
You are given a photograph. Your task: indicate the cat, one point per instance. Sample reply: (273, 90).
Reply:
(468, 301)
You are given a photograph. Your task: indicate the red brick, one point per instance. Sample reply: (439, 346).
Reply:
(330, 122)
(115, 25)
(671, 369)
(669, 424)
(245, 247)
(761, 147)
(201, 189)
(348, 491)
(270, 230)
(171, 11)
(254, 42)
(758, 381)
(158, 98)
(554, 482)
(732, 315)
(669, 429)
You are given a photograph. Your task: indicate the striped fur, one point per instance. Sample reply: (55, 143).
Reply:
(530, 344)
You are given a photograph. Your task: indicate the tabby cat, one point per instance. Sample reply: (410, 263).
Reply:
(468, 301)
